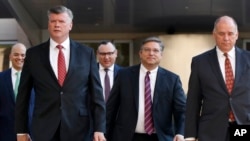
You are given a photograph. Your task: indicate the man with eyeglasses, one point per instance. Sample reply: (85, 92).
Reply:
(147, 102)
(107, 54)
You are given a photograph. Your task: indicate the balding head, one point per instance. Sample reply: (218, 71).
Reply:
(225, 33)
(17, 56)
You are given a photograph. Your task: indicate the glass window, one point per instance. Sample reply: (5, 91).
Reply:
(5, 48)
(246, 44)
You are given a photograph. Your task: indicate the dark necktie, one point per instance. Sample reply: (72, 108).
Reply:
(148, 121)
(61, 66)
(106, 84)
(229, 81)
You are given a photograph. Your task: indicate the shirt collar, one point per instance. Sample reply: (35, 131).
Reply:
(111, 68)
(65, 44)
(231, 53)
(151, 71)
(14, 71)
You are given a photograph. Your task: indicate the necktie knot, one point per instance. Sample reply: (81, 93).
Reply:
(17, 74)
(226, 55)
(106, 70)
(59, 47)
(148, 72)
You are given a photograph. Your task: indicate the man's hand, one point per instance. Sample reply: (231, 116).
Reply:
(99, 136)
(23, 137)
(179, 138)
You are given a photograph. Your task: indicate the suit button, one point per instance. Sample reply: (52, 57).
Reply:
(61, 93)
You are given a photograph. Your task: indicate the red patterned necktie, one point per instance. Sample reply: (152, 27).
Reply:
(61, 66)
(106, 84)
(148, 121)
(229, 81)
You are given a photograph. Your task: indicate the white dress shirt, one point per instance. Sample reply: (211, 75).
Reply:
(221, 58)
(102, 76)
(153, 73)
(53, 54)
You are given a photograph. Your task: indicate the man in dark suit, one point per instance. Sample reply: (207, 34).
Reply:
(163, 116)
(106, 55)
(215, 101)
(8, 86)
(62, 108)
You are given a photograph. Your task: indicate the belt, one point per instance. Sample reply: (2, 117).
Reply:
(145, 137)
(145, 134)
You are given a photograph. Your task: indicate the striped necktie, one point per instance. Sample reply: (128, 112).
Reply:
(148, 121)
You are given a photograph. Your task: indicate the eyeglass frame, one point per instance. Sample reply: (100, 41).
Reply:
(147, 50)
(106, 53)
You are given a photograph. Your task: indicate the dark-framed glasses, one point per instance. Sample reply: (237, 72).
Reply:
(106, 53)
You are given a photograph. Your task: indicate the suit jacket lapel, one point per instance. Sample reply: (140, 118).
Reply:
(45, 59)
(135, 83)
(213, 59)
(239, 66)
(9, 84)
(116, 68)
(74, 53)
(158, 86)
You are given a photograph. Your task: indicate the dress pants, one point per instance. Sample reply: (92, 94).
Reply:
(145, 137)
(56, 136)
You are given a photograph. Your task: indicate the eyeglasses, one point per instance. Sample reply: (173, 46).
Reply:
(106, 53)
(147, 50)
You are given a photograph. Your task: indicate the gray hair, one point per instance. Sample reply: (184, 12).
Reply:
(153, 39)
(60, 9)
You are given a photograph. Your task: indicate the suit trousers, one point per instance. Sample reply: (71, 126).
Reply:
(145, 137)
(57, 134)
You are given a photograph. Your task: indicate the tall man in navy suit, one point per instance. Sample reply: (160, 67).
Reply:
(8, 94)
(106, 55)
(128, 115)
(71, 107)
(210, 100)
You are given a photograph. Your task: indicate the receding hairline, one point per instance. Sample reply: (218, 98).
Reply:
(223, 19)
(17, 45)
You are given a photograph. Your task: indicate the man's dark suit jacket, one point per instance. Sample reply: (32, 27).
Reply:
(168, 104)
(209, 121)
(67, 107)
(7, 107)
